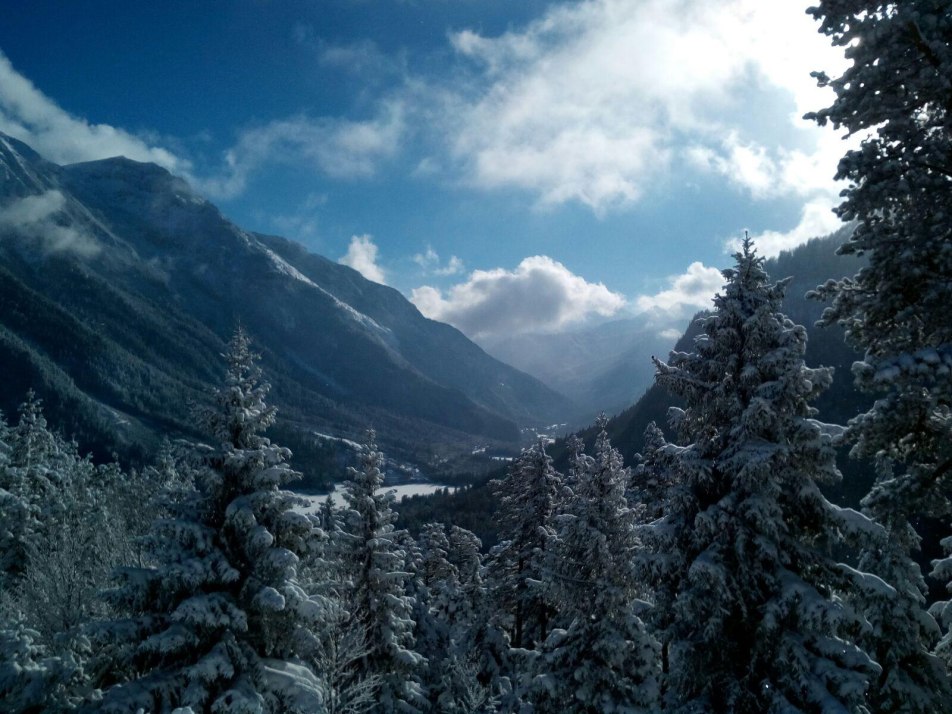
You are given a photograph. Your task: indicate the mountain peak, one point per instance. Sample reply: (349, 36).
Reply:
(133, 336)
(123, 179)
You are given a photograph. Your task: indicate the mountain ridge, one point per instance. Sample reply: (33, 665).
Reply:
(149, 279)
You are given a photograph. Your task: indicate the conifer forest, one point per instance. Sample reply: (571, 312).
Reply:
(714, 571)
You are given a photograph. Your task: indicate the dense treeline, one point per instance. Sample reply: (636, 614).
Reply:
(701, 580)
(713, 576)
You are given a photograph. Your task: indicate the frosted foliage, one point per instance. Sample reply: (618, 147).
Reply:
(36, 467)
(31, 681)
(375, 565)
(33, 443)
(64, 525)
(652, 477)
(219, 622)
(895, 95)
(746, 594)
(450, 618)
(241, 412)
(942, 611)
(528, 497)
(436, 591)
(604, 659)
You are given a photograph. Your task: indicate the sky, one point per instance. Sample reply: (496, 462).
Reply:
(511, 167)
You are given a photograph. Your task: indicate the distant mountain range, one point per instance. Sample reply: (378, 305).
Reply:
(808, 266)
(119, 287)
(604, 368)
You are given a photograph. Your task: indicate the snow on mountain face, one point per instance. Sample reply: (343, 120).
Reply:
(17, 175)
(285, 267)
(147, 311)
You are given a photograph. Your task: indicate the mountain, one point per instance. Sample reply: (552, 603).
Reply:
(119, 287)
(807, 266)
(604, 368)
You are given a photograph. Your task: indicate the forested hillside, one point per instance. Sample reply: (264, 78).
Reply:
(807, 266)
(119, 289)
(715, 561)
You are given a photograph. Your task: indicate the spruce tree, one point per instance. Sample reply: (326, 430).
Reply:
(604, 660)
(748, 596)
(436, 592)
(528, 497)
(378, 602)
(462, 607)
(651, 479)
(895, 96)
(219, 622)
(14, 512)
(31, 487)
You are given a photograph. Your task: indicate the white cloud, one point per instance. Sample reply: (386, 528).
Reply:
(593, 101)
(30, 116)
(35, 217)
(302, 222)
(339, 148)
(688, 293)
(540, 295)
(766, 173)
(453, 266)
(429, 262)
(362, 257)
(816, 219)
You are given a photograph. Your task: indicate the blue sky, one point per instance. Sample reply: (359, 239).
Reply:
(511, 166)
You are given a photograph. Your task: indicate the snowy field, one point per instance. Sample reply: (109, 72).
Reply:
(401, 491)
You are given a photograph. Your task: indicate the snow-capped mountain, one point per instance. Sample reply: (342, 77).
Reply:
(119, 286)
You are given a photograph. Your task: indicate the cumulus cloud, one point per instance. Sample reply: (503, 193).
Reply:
(430, 262)
(688, 293)
(35, 217)
(362, 257)
(540, 295)
(593, 101)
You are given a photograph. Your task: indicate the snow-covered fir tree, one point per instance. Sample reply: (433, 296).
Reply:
(652, 476)
(31, 680)
(436, 589)
(378, 602)
(33, 442)
(604, 660)
(528, 497)
(59, 539)
(14, 511)
(894, 95)
(219, 622)
(30, 487)
(463, 608)
(747, 593)
(448, 586)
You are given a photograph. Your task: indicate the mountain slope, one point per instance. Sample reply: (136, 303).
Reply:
(808, 266)
(120, 287)
(604, 368)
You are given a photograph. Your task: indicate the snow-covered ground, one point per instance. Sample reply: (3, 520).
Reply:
(401, 491)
